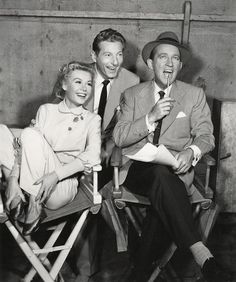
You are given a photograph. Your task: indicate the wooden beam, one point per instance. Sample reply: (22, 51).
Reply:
(186, 23)
(113, 15)
(91, 14)
(213, 18)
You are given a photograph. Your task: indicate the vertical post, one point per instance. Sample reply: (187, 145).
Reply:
(186, 24)
(97, 198)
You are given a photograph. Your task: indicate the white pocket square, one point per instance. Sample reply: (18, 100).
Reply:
(181, 115)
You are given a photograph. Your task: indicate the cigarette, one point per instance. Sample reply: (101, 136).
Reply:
(168, 84)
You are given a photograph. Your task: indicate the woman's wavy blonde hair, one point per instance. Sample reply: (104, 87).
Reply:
(64, 72)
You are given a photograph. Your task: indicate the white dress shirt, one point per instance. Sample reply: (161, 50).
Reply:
(157, 89)
(98, 89)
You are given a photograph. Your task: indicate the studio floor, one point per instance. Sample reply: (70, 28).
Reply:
(114, 266)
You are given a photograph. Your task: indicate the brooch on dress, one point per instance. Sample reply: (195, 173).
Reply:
(76, 119)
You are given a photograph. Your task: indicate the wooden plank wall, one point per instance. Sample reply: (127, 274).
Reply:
(36, 37)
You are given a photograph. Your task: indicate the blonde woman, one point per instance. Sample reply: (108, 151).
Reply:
(64, 142)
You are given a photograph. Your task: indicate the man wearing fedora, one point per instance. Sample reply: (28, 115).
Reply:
(170, 112)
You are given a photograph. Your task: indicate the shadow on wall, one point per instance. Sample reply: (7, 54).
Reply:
(191, 69)
(130, 56)
(133, 61)
(28, 110)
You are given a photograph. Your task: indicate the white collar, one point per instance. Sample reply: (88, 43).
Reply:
(157, 88)
(99, 78)
(63, 108)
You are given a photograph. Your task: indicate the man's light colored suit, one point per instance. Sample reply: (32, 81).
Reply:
(189, 122)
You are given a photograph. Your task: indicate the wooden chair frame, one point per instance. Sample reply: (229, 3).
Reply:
(206, 209)
(87, 200)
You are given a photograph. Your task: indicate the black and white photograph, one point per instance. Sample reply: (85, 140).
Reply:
(117, 141)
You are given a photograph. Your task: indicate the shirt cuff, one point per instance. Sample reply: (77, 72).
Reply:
(150, 127)
(196, 154)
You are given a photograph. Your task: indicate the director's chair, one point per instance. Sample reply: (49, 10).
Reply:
(87, 200)
(205, 209)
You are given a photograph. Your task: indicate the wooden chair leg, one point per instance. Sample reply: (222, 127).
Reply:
(69, 243)
(164, 260)
(43, 257)
(121, 237)
(38, 257)
(34, 260)
(133, 220)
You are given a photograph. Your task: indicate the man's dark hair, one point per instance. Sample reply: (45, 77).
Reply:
(110, 35)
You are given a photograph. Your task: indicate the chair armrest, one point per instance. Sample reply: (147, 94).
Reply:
(1, 204)
(203, 185)
(97, 198)
(208, 160)
(116, 158)
(89, 184)
(97, 168)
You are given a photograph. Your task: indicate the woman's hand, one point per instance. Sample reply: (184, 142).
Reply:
(13, 193)
(48, 182)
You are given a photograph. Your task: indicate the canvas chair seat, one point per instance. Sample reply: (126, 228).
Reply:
(87, 200)
(117, 196)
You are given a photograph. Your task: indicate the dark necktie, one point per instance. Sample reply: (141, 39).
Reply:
(103, 99)
(158, 127)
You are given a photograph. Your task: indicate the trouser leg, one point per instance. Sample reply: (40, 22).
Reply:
(153, 243)
(170, 202)
(38, 159)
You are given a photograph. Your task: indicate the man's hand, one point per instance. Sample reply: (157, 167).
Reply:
(32, 123)
(185, 159)
(160, 109)
(107, 152)
(49, 182)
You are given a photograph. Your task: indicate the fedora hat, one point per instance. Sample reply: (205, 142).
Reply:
(167, 37)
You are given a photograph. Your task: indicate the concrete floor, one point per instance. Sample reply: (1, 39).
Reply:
(113, 265)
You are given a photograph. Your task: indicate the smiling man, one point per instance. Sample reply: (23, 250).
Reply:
(170, 112)
(108, 55)
(111, 80)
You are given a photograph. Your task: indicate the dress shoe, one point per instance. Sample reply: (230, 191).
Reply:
(34, 216)
(17, 208)
(17, 204)
(213, 272)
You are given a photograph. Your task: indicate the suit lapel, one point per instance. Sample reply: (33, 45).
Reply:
(176, 94)
(146, 99)
(145, 102)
